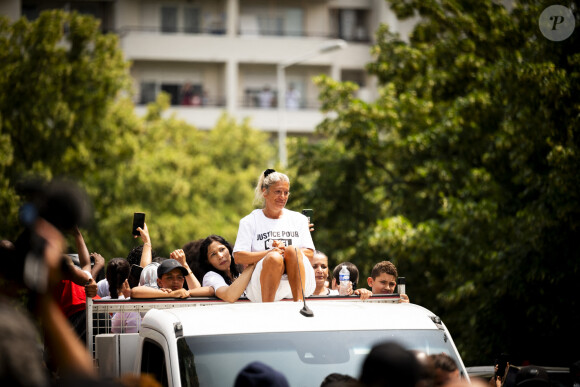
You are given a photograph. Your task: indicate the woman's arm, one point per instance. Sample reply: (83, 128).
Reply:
(146, 252)
(205, 291)
(83, 252)
(249, 257)
(233, 292)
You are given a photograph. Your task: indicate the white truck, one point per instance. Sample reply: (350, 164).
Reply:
(206, 342)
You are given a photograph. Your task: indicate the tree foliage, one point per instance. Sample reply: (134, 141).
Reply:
(58, 77)
(65, 110)
(189, 183)
(463, 173)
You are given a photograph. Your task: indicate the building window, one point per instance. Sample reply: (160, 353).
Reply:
(272, 22)
(186, 94)
(30, 11)
(355, 76)
(168, 19)
(148, 93)
(174, 91)
(191, 20)
(350, 24)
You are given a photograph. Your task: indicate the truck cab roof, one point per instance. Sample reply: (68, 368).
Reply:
(284, 316)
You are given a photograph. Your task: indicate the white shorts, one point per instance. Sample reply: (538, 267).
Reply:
(254, 289)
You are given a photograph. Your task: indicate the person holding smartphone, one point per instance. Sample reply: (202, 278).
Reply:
(278, 241)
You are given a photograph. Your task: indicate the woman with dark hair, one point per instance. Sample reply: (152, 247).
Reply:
(118, 270)
(220, 271)
(117, 275)
(278, 241)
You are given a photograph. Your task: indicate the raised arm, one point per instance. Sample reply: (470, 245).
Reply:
(233, 292)
(99, 264)
(84, 257)
(192, 281)
(146, 253)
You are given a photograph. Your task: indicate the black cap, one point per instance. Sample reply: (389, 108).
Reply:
(531, 376)
(168, 265)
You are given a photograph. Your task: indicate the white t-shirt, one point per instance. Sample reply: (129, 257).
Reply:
(216, 281)
(257, 232)
(213, 279)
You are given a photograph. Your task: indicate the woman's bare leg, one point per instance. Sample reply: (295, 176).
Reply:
(293, 264)
(272, 271)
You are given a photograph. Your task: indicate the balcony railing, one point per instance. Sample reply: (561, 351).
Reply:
(220, 30)
(253, 101)
(213, 30)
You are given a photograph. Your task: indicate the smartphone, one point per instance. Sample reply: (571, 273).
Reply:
(308, 213)
(401, 285)
(138, 221)
(135, 275)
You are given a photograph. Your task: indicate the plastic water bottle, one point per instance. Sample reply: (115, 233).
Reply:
(344, 278)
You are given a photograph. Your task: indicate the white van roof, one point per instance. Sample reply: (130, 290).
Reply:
(222, 319)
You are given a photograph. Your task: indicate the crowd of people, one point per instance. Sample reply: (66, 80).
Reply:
(389, 364)
(273, 257)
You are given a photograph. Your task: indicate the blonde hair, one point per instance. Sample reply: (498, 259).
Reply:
(264, 182)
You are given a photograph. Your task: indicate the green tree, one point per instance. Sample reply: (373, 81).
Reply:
(464, 173)
(65, 110)
(59, 78)
(190, 183)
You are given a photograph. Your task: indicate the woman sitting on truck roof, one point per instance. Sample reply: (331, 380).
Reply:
(220, 271)
(278, 241)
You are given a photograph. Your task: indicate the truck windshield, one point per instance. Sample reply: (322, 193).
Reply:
(305, 358)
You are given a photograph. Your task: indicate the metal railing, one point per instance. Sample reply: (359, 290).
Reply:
(221, 30)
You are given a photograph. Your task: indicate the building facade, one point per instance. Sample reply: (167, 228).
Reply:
(216, 55)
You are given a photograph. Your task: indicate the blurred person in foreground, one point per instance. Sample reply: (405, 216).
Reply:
(445, 369)
(390, 364)
(35, 267)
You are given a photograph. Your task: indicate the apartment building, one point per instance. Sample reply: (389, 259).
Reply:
(216, 55)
